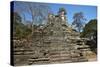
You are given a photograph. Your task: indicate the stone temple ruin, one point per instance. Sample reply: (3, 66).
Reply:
(54, 43)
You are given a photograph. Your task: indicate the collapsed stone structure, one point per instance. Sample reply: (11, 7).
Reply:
(54, 43)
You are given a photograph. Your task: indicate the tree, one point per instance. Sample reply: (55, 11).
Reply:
(17, 17)
(19, 29)
(90, 29)
(79, 21)
(62, 10)
(37, 11)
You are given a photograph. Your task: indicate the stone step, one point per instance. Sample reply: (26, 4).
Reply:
(82, 59)
(60, 44)
(87, 49)
(63, 59)
(75, 55)
(60, 56)
(59, 52)
(38, 61)
(42, 45)
(68, 55)
(67, 49)
(24, 53)
(84, 47)
(59, 59)
(22, 50)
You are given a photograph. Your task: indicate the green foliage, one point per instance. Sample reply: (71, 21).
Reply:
(61, 10)
(90, 28)
(19, 29)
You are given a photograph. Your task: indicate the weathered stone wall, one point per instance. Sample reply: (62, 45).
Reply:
(57, 44)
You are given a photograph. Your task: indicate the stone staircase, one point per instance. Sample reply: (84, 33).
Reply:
(70, 48)
(58, 47)
(53, 43)
(54, 50)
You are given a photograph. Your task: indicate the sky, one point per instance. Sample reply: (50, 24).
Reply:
(90, 12)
